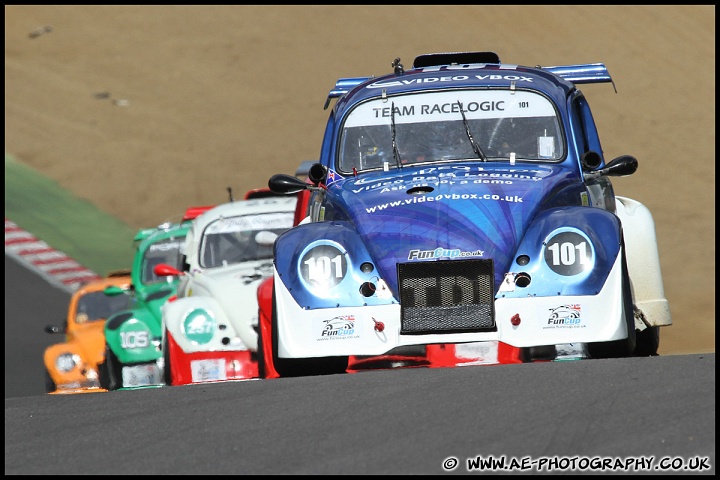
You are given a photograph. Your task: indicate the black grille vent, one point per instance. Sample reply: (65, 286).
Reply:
(446, 296)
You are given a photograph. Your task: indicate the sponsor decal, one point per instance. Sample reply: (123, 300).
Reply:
(448, 106)
(250, 223)
(165, 246)
(451, 78)
(565, 316)
(399, 185)
(141, 375)
(440, 252)
(338, 328)
(443, 197)
(208, 370)
(457, 175)
(584, 199)
(436, 108)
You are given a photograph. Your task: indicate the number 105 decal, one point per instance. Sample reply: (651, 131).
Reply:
(136, 339)
(569, 253)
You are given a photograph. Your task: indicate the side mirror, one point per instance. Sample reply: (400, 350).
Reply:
(53, 329)
(113, 290)
(621, 166)
(618, 167)
(165, 270)
(285, 184)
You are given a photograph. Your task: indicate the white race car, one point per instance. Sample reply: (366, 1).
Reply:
(210, 328)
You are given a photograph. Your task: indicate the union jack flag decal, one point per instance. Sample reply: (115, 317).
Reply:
(333, 176)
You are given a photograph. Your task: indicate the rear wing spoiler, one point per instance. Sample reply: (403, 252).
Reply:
(583, 73)
(343, 86)
(577, 74)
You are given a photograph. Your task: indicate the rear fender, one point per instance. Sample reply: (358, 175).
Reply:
(320, 264)
(643, 262)
(565, 251)
(197, 323)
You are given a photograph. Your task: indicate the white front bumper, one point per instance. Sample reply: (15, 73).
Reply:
(301, 333)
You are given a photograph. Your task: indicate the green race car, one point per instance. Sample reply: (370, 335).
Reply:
(133, 356)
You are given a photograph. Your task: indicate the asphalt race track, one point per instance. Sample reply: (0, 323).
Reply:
(411, 421)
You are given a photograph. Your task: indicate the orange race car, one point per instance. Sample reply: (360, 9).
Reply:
(71, 366)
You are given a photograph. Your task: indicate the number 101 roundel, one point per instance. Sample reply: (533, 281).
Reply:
(323, 266)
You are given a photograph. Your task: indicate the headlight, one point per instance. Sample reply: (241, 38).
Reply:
(199, 326)
(67, 362)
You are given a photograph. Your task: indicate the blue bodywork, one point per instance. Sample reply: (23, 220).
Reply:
(474, 196)
(377, 221)
(495, 209)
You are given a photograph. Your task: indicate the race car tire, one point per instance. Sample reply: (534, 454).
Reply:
(260, 354)
(647, 342)
(108, 370)
(300, 367)
(49, 383)
(167, 368)
(538, 353)
(626, 346)
(103, 375)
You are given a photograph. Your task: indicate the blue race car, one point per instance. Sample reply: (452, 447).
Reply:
(464, 200)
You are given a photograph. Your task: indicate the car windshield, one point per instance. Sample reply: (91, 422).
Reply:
(442, 126)
(164, 251)
(95, 306)
(242, 238)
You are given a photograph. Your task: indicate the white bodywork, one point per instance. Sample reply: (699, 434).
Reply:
(301, 332)
(643, 262)
(227, 293)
